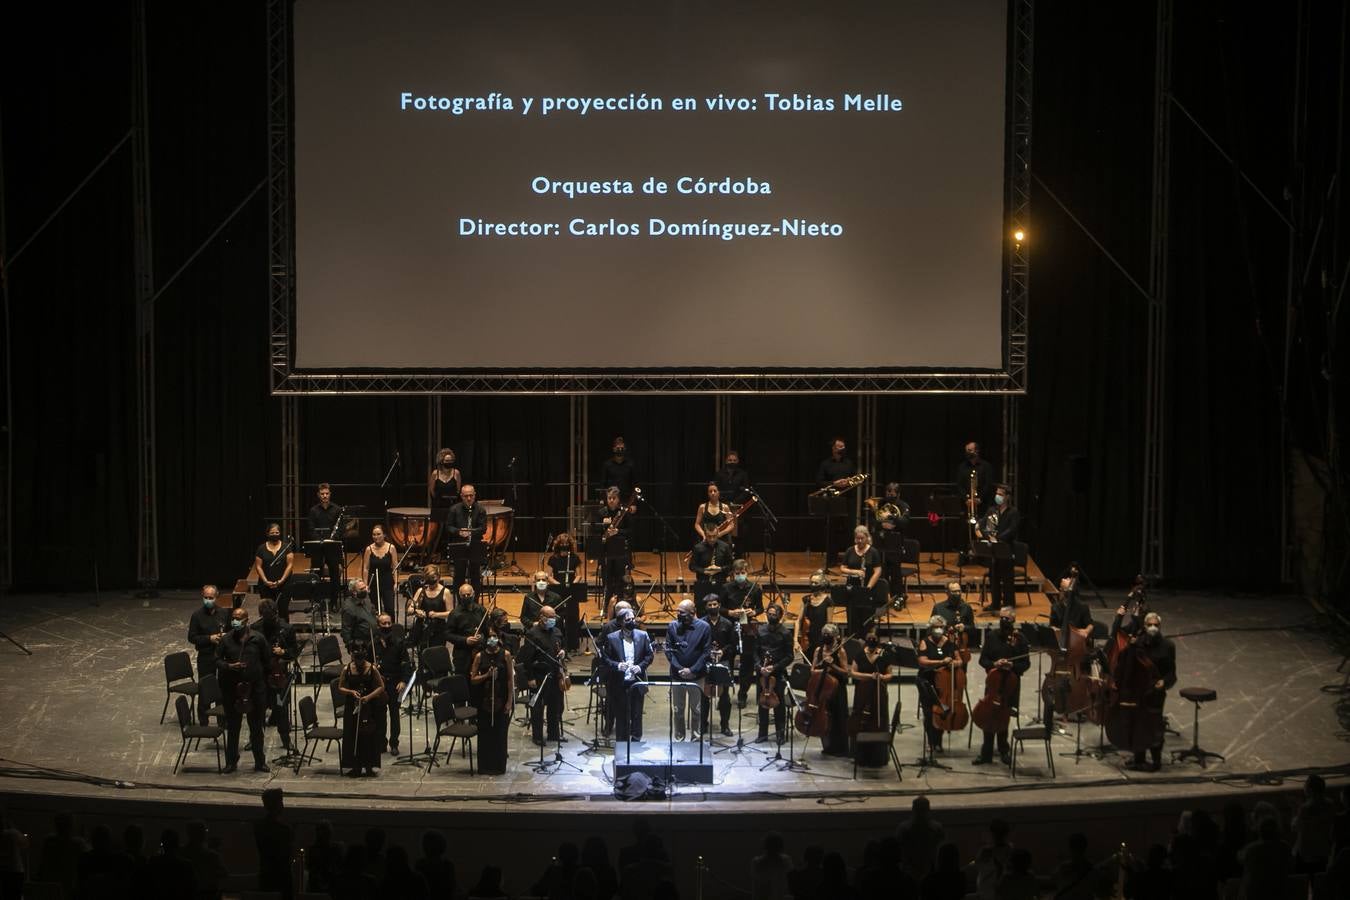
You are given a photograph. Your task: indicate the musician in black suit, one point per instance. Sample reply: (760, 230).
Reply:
(984, 477)
(1163, 654)
(390, 652)
(536, 600)
(464, 628)
(325, 524)
(240, 662)
(733, 482)
(710, 561)
(773, 653)
(467, 521)
(543, 658)
(999, 526)
(205, 630)
(617, 525)
(283, 651)
(619, 471)
(626, 654)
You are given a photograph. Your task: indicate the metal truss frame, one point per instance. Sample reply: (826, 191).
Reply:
(285, 378)
(143, 295)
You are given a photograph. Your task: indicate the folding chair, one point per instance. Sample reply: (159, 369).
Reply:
(313, 733)
(178, 679)
(191, 732)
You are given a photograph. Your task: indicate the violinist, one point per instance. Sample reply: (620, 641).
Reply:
(773, 652)
(938, 654)
(542, 657)
(280, 639)
(492, 675)
(390, 652)
(1163, 654)
(1003, 650)
(722, 652)
(955, 611)
(871, 671)
(499, 624)
(862, 569)
(464, 628)
(537, 599)
(999, 526)
(430, 609)
(829, 657)
(815, 614)
(743, 603)
(565, 578)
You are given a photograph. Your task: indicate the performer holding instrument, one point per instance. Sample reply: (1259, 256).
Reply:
(955, 611)
(430, 608)
(773, 653)
(941, 683)
(443, 485)
(713, 518)
(733, 482)
(492, 674)
(743, 603)
(711, 562)
(616, 522)
(999, 526)
(273, 563)
(566, 578)
(467, 520)
(325, 524)
(973, 471)
(206, 628)
(1143, 673)
(871, 672)
(363, 718)
(544, 661)
(862, 571)
(722, 654)
(379, 562)
(241, 660)
(390, 649)
(815, 614)
(283, 651)
(464, 628)
(823, 708)
(1005, 658)
(835, 474)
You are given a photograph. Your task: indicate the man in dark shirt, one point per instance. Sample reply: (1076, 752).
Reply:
(616, 524)
(834, 472)
(464, 628)
(272, 837)
(282, 646)
(467, 521)
(999, 526)
(618, 471)
(389, 652)
(721, 652)
(955, 610)
(1163, 653)
(984, 477)
(324, 522)
(687, 643)
(773, 653)
(536, 600)
(205, 629)
(1005, 650)
(733, 482)
(541, 657)
(743, 603)
(710, 561)
(240, 663)
(358, 619)
(836, 469)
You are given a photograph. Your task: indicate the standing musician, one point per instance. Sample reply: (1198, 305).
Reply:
(829, 656)
(464, 628)
(732, 481)
(712, 517)
(1004, 649)
(325, 524)
(887, 517)
(1069, 608)
(537, 599)
(835, 471)
(862, 569)
(206, 627)
(1163, 654)
(240, 661)
(283, 651)
(871, 671)
(499, 624)
(493, 677)
(443, 490)
(711, 562)
(468, 520)
(984, 478)
(363, 717)
(390, 649)
(566, 576)
(613, 683)
(431, 610)
(617, 520)
(626, 654)
(955, 611)
(688, 639)
(999, 526)
(543, 658)
(937, 655)
(271, 567)
(743, 602)
(379, 562)
(619, 472)
(722, 652)
(773, 653)
(358, 620)
(815, 614)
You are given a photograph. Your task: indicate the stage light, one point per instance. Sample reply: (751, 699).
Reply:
(1019, 235)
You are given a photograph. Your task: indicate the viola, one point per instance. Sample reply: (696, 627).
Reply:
(813, 714)
(950, 713)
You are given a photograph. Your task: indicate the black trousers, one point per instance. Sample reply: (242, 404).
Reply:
(928, 698)
(280, 712)
(394, 709)
(234, 720)
(626, 700)
(779, 711)
(329, 561)
(550, 703)
(469, 565)
(746, 675)
(206, 665)
(1001, 583)
(987, 748)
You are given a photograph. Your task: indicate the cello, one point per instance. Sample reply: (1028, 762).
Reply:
(813, 713)
(1002, 687)
(950, 713)
(1134, 721)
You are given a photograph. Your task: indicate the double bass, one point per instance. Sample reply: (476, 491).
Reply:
(1136, 605)
(1134, 721)
(1002, 687)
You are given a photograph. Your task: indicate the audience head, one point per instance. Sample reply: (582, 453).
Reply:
(773, 843)
(920, 807)
(273, 800)
(433, 844)
(168, 842)
(1020, 862)
(1315, 787)
(999, 830)
(948, 858)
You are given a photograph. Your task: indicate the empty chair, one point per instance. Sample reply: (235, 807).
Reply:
(329, 660)
(190, 732)
(178, 679)
(443, 708)
(313, 733)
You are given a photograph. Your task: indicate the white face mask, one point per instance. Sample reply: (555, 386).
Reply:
(541, 585)
(1153, 630)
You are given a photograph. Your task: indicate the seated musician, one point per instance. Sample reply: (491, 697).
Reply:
(713, 517)
(862, 569)
(617, 523)
(953, 608)
(566, 577)
(1163, 654)
(711, 562)
(937, 654)
(467, 520)
(1006, 650)
(721, 662)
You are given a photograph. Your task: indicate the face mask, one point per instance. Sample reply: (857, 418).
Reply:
(541, 585)
(465, 599)
(363, 596)
(549, 623)
(208, 602)
(740, 578)
(237, 624)
(386, 629)
(713, 612)
(685, 618)
(274, 537)
(492, 643)
(939, 632)
(773, 620)
(1153, 630)
(1005, 624)
(872, 640)
(618, 452)
(359, 655)
(999, 499)
(953, 597)
(629, 624)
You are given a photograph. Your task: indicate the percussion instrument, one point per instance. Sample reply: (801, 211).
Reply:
(411, 527)
(500, 521)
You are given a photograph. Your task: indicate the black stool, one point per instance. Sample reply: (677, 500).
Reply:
(1197, 695)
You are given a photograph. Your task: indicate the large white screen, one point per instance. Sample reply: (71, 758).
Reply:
(885, 138)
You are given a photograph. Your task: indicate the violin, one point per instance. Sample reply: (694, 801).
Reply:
(768, 697)
(813, 713)
(950, 713)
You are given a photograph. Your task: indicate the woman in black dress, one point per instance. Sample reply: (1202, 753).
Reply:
(871, 671)
(567, 576)
(431, 609)
(493, 673)
(712, 515)
(363, 720)
(862, 568)
(380, 562)
(815, 614)
(271, 567)
(443, 484)
(829, 654)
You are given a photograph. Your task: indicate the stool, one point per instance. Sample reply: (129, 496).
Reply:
(1197, 695)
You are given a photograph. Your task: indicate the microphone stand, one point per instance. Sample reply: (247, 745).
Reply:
(597, 740)
(514, 567)
(740, 747)
(770, 565)
(666, 605)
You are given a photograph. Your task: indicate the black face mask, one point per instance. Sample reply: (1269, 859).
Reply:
(1005, 624)
(953, 599)
(386, 629)
(619, 452)
(629, 625)
(274, 537)
(872, 640)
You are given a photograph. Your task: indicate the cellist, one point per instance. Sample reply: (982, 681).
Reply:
(938, 653)
(1163, 653)
(1004, 649)
(829, 656)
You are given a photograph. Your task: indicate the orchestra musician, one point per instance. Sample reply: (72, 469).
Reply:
(829, 654)
(493, 676)
(955, 611)
(743, 603)
(1129, 619)
(240, 661)
(711, 562)
(1163, 654)
(566, 576)
(815, 614)
(835, 471)
(206, 627)
(358, 620)
(443, 485)
(626, 654)
(536, 600)
(733, 482)
(1069, 608)
(543, 659)
(499, 623)
(1004, 649)
(999, 526)
(325, 524)
(271, 567)
(722, 651)
(618, 471)
(283, 649)
(688, 640)
(613, 681)
(363, 717)
(984, 477)
(871, 672)
(390, 650)
(937, 653)
(430, 607)
(618, 523)
(773, 653)
(862, 569)
(464, 628)
(712, 516)
(468, 520)
(379, 562)
(887, 517)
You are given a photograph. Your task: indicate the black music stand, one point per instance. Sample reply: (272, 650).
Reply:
(1041, 637)
(948, 507)
(770, 565)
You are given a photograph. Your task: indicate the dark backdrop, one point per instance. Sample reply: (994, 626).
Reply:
(65, 103)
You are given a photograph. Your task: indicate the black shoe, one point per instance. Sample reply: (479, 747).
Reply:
(740, 702)
(761, 739)
(1006, 757)
(726, 731)
(261, 767)
(538, 742)
(230, 769)
(369, 773)
(981, 760)
(393, 749)
(352, 773)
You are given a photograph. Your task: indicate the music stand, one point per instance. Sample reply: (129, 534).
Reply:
(1040, 637)
(947, 506)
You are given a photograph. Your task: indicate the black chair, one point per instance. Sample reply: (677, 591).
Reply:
(1042, 732)
(457, 686)
(1197, 695)
(328, 660)
(209, 696)
(313, 733)
(880, 737)
(435, 668)
(191, 732)
(178, 679)
(338, 701)
(443, 708)
(909, 564)
(1020, 553)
